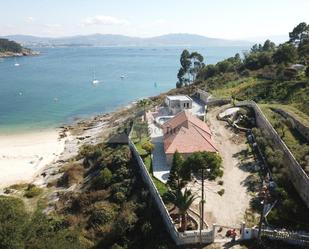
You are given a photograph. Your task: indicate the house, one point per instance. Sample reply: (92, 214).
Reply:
(203, 95)
(186, 134)
(178, 103)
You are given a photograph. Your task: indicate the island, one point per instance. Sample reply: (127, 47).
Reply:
(11, 49)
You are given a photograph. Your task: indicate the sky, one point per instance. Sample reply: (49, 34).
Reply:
(229, 19)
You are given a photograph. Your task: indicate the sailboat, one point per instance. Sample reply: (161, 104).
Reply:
(16, 64)
(95, 80)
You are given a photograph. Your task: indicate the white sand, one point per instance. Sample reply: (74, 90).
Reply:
(22, 156)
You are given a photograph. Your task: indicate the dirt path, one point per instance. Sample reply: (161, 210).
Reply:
(228, 209)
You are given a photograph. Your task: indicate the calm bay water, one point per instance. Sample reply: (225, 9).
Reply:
(55, 87)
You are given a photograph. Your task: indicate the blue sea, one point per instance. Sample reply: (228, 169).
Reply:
(56, 87)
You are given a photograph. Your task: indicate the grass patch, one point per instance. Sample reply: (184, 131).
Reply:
(161, 187)
(19, 186)
(32, 191)
(232, 88)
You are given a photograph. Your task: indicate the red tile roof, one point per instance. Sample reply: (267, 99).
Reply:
(187, 134)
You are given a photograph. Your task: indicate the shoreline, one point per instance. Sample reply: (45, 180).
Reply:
(35, 156)
(21, 54)
(23, 155)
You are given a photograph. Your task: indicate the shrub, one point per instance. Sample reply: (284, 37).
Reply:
(73, 175)
(119, 197)
(102, 213)
(220, 182)
(104, 179)
(221, 192)
(148, 146)
(116, 246)
(32, 191)
(12, 219)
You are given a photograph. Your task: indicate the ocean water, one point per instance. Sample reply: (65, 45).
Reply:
(56, 87)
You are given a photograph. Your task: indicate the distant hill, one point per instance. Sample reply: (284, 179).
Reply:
(121, 40)
(10, 48)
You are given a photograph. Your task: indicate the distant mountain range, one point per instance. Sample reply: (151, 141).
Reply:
(121, 40)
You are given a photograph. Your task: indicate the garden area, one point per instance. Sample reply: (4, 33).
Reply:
(141, 139)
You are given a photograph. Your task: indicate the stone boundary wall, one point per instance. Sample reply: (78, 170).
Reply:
(217, 102)
(297, 175)
(189, 237)
(302, 128)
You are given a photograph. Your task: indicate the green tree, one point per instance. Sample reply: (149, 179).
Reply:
(286, 53)
(143, 103)
(269, 46)
(183, 201)
(141, 128)
(174, 179)
(209, 162)
(197, 63)
(183, 73)
(300, 33)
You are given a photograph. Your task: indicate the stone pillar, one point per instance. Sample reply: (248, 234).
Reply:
(213, 232)
(242, 230)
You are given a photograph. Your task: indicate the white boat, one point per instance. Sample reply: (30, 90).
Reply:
(16, 64)
(122, 77)
(95, 80)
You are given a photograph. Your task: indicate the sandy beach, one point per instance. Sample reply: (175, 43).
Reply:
(22, 156)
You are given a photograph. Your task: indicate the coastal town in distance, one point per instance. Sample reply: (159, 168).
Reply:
(178, 126)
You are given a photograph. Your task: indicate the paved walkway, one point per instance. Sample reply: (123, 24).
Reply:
(160, 167)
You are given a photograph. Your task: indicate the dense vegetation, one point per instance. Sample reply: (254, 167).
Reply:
(9, 46)
(290, 211)
(114, 209)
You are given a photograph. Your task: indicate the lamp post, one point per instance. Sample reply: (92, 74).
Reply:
(202, 205)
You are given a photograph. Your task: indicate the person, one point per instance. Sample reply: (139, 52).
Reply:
(233, 235)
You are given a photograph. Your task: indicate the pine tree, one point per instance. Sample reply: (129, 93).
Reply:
(174, 180)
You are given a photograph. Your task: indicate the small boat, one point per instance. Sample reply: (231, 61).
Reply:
(122, 77)
(20, 93)
(16, 64)
(94, 80)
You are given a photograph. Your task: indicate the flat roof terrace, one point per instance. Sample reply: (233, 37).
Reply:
(179, 97)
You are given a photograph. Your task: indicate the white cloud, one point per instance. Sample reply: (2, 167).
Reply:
(160, 22)
(104, 20)
(30, 19)
(53, 26)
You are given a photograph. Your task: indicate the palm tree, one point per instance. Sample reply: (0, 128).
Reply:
(183, 201)
(143, 103)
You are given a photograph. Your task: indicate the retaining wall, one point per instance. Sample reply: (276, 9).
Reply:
(297, 175)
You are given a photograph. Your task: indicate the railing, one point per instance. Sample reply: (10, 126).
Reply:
(298, 238)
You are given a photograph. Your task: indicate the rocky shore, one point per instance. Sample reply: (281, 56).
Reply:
(25, 52)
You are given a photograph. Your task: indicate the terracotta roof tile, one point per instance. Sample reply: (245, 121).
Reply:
(187, 134)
